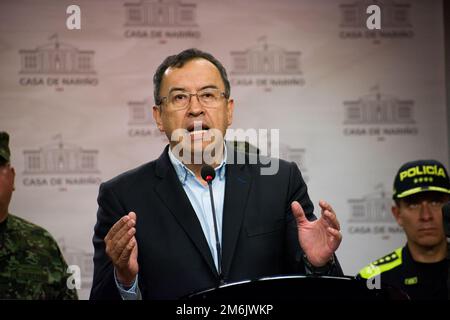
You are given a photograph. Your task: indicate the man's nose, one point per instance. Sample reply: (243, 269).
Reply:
(195, 108)
(425, 211)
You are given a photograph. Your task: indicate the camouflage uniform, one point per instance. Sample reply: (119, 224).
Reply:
(31, 264)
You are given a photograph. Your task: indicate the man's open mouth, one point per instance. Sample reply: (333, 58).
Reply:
(197, 128)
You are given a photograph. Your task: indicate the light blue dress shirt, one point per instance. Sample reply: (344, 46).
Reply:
(199, 197)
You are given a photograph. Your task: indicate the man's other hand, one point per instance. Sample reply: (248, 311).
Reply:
(121, 248)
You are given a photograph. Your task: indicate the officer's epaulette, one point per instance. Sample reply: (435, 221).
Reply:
(388, 262)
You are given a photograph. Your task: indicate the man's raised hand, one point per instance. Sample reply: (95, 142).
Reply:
(319, 239)
(121, 248)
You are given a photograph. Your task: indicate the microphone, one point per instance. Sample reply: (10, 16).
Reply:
(446, 218)
(208, 174)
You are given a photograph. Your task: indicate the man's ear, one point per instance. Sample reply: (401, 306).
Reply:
(230, 110)
(13, 171)
(157, 116)
(397, 215)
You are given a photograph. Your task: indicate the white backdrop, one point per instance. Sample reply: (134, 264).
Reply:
(352, 105)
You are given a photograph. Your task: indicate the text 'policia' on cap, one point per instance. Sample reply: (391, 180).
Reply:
(419, 176)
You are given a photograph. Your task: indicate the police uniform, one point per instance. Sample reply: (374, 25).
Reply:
(398, 268)
(31, 264)
(417, 280)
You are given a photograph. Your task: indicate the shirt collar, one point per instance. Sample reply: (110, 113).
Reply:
(183, 171)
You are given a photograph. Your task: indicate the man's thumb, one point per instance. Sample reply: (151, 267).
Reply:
(298, 212)
(132, 215)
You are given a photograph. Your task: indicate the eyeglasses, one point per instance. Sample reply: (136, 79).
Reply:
(208, 98)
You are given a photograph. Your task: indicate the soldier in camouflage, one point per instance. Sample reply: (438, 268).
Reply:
(31, 264)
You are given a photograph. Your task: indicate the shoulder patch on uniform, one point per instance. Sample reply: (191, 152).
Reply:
(388, 262)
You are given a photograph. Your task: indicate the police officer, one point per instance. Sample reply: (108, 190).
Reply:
(421, 267)
(31, 264)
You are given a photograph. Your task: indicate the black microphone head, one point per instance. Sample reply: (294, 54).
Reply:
(446, 218)
(208, 173)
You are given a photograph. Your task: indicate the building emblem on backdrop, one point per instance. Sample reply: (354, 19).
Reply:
(296, 155)
(375, 207)
(60, 164)
(140, 113)
(140, 120)
(371, 214)
(161, 20)
(265, 59)
(267, 66)
(395, 20)
(291, 154)
(161, 13)
(57, 64)
(379, 115)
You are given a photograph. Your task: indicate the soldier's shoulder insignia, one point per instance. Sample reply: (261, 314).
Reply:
(386, 263)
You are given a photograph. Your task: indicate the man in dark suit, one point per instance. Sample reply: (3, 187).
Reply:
(264, 224)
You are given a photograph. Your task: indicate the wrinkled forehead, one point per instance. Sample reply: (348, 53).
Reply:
(193, 74)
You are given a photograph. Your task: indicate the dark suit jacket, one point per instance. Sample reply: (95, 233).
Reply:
(259, 234)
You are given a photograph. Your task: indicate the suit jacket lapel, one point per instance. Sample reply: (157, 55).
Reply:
(238, 182)
(173, 196)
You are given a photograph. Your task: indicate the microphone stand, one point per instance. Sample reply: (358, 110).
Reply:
(216, 232)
